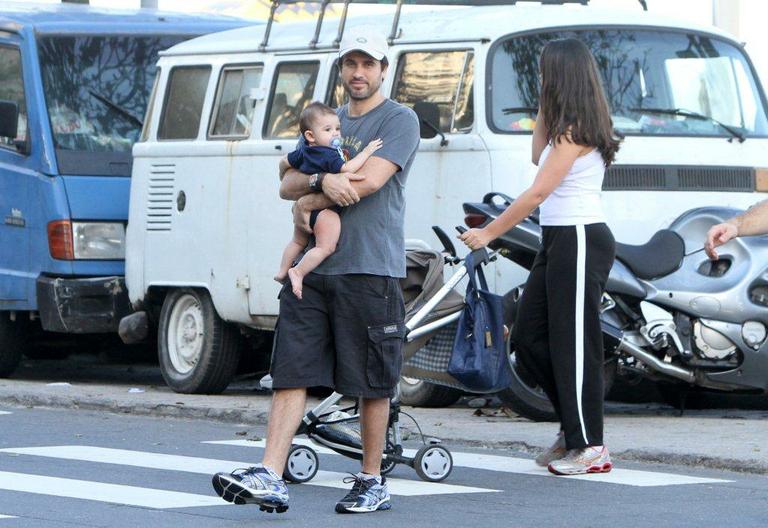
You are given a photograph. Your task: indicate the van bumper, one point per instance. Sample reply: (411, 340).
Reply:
(82, 306)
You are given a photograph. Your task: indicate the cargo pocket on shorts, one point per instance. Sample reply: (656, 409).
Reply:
(385, 355)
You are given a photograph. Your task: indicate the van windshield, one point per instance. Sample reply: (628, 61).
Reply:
(96, 89)
(657, 83)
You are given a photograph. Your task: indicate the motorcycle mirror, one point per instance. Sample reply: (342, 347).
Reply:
(448, 246)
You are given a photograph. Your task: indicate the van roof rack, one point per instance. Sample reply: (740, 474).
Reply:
(393, 35)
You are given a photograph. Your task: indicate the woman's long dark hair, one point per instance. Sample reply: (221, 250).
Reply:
(572, 98)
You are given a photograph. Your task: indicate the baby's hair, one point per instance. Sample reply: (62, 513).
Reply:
(310, 114)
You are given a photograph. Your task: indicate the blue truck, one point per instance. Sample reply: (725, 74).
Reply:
(75, 82)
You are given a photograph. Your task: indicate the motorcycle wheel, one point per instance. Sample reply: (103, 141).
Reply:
(524, 396)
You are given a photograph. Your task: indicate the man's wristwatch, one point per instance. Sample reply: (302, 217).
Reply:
(316, 182)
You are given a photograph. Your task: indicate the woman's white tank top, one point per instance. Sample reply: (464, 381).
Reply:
(576, 201)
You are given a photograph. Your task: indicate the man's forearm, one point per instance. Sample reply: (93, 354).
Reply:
(375, 174)
(752, 222)
(314, 201)
(294, 185)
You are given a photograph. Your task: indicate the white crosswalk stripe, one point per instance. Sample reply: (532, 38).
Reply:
(628, 477)
(164, 499)
(7, 517)
(6, 412)
(102, 492)
(208, 466)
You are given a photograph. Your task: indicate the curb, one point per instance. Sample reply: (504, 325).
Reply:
(244, 416)
(259, 417)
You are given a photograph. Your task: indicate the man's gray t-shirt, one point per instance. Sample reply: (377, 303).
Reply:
(372, 237)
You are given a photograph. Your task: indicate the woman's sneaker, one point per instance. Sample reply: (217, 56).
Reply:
(254, 485)
(555, 452)
(582, 461)
(367, 495)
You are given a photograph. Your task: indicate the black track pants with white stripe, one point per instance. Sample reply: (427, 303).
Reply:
(557, 331)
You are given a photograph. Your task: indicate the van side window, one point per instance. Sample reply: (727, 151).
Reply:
(336, 96)
(443, 78)
(292, 91)
(184, 102)
(12, 89)
(233, 109)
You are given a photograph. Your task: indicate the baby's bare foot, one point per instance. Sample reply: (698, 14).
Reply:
(296, 282)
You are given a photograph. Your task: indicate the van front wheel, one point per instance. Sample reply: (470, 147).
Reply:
(198, 351)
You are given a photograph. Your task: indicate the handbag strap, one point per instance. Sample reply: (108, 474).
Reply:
(475, 269)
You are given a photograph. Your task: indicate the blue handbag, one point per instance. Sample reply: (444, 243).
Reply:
(479, 358)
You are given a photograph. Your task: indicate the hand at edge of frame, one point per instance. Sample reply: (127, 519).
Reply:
(717, 236)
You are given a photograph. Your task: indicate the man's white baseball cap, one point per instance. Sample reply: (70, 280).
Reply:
(368, 40)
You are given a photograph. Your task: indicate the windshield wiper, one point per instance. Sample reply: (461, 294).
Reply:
(694, 115)
(520, 110)
(116, 107)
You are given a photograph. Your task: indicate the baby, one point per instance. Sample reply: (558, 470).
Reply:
(318, 152)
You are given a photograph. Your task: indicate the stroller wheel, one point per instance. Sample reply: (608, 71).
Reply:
(302, 464)
(387, 465)
(433, 463)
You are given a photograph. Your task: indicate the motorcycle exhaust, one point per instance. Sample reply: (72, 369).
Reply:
(655, 363)
(647, 358)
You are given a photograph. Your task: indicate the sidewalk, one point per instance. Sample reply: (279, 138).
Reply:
(732, 439)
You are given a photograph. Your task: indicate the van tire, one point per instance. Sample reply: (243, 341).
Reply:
(13, 339)
(198, 351)
(419, 393)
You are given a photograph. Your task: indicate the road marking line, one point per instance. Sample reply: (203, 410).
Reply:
(627, 477)
(103, 492)
(209, 466)
(7, 517)
(6, 412)
(261, 443)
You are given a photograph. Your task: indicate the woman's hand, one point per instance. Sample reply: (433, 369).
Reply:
(476, 238)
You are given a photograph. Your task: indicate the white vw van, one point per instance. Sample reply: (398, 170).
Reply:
(206, 227)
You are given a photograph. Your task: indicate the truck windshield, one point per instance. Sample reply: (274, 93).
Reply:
(96, 89)
(706, 81)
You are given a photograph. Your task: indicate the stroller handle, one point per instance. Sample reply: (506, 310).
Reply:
(482, 258)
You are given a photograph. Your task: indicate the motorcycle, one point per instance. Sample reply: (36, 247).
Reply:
(669, 314)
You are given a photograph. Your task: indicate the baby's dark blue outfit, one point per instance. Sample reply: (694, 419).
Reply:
(311, 159)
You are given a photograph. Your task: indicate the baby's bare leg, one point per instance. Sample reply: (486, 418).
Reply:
(292, 250)
(327, 230)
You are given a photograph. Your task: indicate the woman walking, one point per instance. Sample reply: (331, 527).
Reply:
(557, 331)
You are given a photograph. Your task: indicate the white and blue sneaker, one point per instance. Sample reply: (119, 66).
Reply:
(254, 485)
(367, 495)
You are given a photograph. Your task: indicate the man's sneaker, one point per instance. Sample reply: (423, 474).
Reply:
(555, 452)
(582, 461)
(366, 495)
(254, 485)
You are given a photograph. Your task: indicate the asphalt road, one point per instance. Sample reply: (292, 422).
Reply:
(64, 468)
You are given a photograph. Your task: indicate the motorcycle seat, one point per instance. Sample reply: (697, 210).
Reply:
(658, 257)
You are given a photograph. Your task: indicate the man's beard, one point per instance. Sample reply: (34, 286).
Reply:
(361, 95)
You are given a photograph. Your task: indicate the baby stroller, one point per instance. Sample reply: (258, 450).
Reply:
(432, 309)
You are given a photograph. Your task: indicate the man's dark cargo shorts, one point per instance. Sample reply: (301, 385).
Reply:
(346, 332)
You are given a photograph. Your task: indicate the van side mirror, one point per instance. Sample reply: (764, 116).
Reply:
(9, 119)
(429, 119)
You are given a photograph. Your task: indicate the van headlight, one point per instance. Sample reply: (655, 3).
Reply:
(98, 240)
